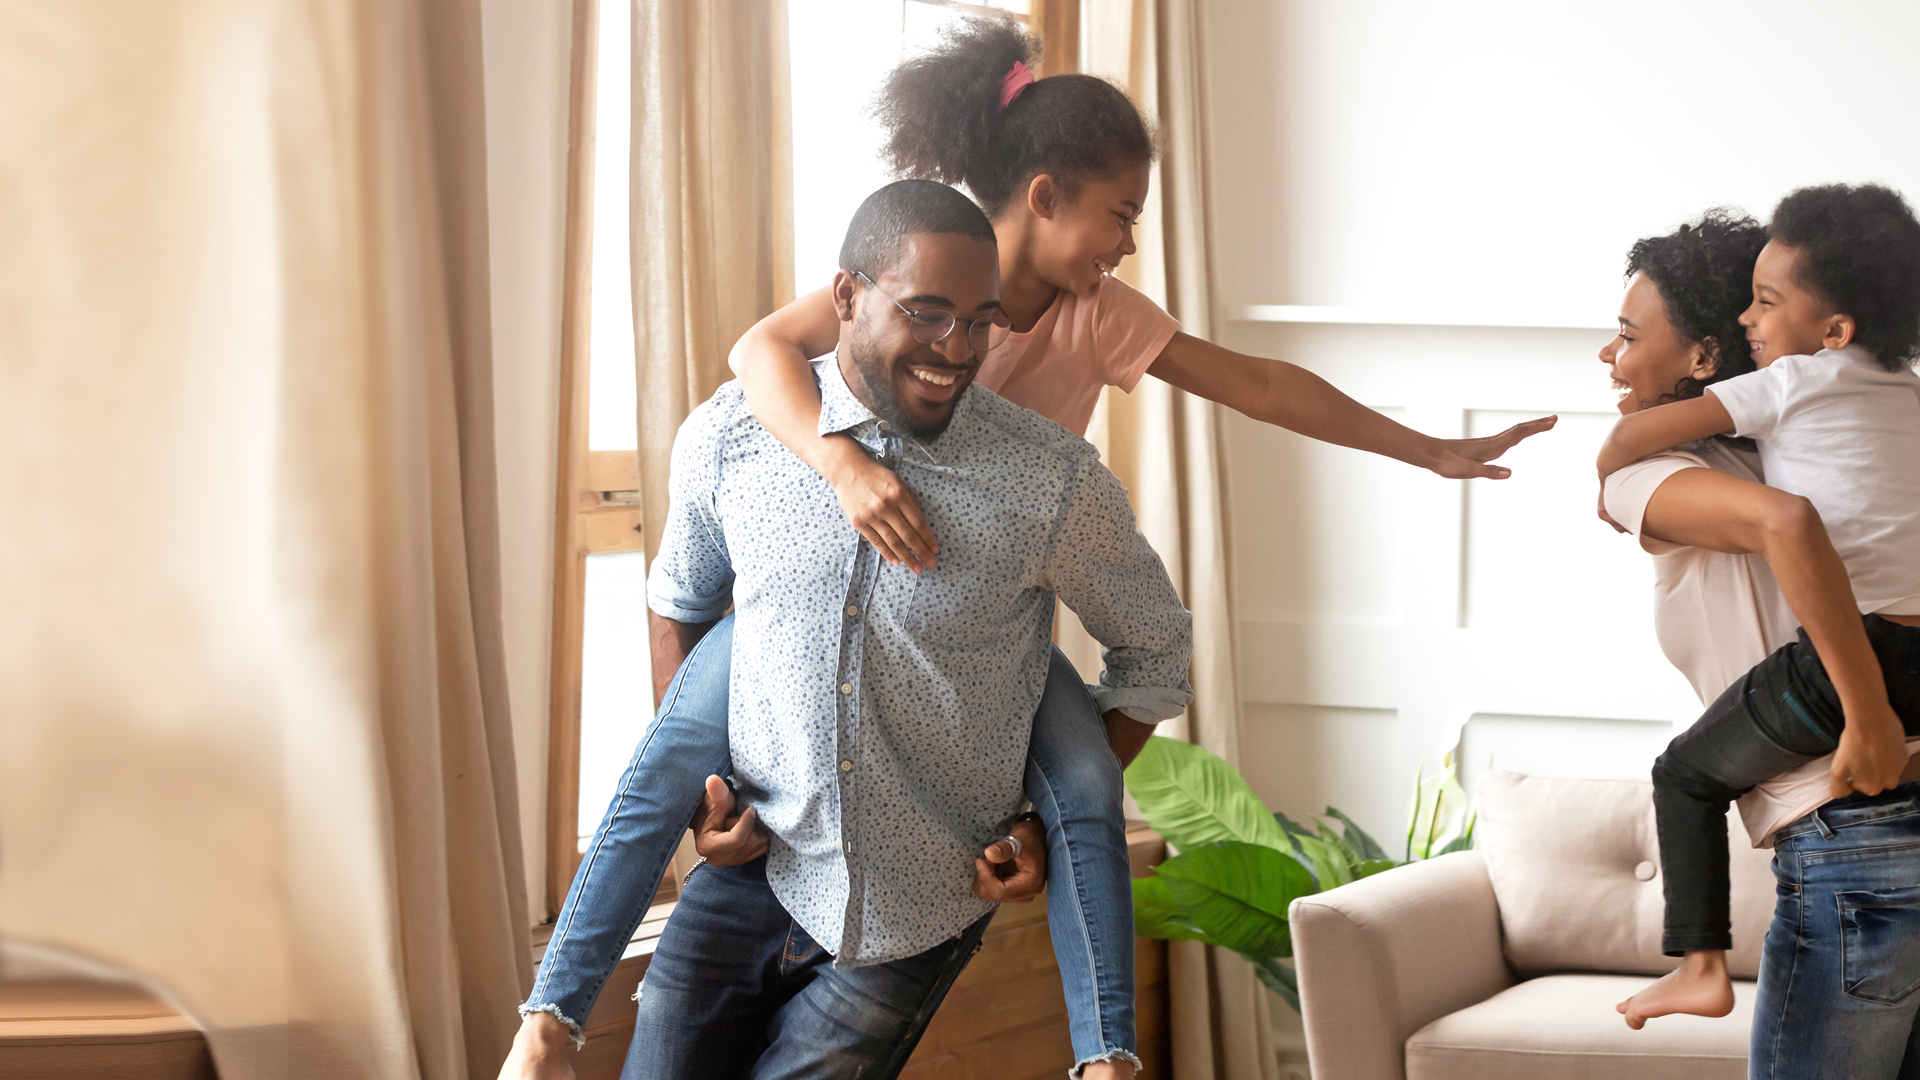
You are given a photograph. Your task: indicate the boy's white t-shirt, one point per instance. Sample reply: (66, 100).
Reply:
(1844, 432)
(1717, 615)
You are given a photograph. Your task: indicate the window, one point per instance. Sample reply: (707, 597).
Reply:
(602, 690)
(836, 145)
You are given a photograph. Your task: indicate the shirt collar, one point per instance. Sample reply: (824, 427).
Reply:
(839, 409)
(840, 412)
(1853, 353)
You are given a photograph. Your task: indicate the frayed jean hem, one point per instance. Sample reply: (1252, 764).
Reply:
(573, 1028)
(1108, 1055)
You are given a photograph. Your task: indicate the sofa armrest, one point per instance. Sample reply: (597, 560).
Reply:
(1385, 956)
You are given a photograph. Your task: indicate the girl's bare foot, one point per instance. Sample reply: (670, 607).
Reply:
(1108, 1070)
(1700, 986)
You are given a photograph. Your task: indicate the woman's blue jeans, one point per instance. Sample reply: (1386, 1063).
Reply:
(1073, 779)
(1840, 973)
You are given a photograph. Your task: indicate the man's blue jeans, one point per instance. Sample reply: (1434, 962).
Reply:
(1840, 974)
(737, 989)
(1073, 779)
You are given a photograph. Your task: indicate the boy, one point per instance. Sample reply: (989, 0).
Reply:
(1833, 328)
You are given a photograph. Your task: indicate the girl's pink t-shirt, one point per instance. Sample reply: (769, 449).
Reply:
(1109, 337)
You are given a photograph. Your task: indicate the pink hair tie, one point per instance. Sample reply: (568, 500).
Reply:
(1019, 77)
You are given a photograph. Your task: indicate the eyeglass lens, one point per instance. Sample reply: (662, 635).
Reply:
(985, 333)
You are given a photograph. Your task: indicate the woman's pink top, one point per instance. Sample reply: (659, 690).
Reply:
(1109, 337)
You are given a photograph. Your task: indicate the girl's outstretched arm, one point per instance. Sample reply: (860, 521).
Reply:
(1708, 509)
(1296, 399)
(771, 362)
(1662, 427)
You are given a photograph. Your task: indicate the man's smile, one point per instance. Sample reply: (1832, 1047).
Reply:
(937, 385)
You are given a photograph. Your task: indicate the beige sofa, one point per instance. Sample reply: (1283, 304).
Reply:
(1506, 961)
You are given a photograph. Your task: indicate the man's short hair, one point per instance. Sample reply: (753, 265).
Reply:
(1860, 252)
(902, 209)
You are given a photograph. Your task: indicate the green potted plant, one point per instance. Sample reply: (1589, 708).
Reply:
(1239, 865)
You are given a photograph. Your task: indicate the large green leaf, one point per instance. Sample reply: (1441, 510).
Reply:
(1237, 894)
(1191, 797)
(1357, 838)
(1372, 867)
(1157, 915)
(1295, 834)
(1329, 864)
(1279, 978)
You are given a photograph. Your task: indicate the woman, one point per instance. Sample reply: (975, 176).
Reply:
(1738, 567)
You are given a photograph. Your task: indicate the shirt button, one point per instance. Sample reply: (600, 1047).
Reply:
(853, 609)
(846, 688)
(884, 426)
(846, 766)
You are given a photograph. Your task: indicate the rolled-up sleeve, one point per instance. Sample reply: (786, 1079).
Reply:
(691, 579)
(1104, 569)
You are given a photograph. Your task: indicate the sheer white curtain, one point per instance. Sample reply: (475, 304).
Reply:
(254, 743)
(1165, 444)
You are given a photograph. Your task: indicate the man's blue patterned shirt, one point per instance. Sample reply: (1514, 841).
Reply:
(879, 719)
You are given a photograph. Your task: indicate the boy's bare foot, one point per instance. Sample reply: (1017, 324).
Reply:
(1700, 986)
(1108, 1070)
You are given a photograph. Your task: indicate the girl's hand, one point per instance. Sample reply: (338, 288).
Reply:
(881, 509)
(1872, 753)
(1466, 459)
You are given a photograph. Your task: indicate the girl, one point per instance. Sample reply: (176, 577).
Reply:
(1061, 165)
(1715, 530)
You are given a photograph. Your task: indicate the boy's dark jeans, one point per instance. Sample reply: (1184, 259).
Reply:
(1782, 714)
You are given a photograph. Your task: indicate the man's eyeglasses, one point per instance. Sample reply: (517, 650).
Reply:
(931, 325)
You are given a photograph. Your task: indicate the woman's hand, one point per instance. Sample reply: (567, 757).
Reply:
(1466, 459)
(881, 508)
(1872, 754)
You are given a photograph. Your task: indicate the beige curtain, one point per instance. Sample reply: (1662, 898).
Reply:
(1165, 444)
(254, 744)
(711, 212)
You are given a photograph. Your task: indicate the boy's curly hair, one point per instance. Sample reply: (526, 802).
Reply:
(1704, 273)
(1859, 250)
(944, 121)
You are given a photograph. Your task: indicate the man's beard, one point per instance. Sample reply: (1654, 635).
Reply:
(884, 401)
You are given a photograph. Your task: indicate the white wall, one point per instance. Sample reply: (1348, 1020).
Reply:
(526, 46)
(1486, 163)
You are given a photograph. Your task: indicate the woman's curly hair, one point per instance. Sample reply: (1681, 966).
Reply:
(1860, 252)
(944, 122)
(1704, 273)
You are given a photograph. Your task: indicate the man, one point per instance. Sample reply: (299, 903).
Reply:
(879, 719)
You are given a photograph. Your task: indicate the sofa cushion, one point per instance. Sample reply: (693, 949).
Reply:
(1575, 866)
(1564, 1025)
